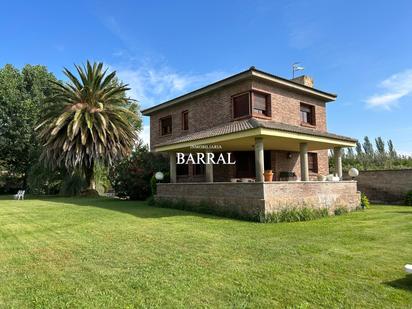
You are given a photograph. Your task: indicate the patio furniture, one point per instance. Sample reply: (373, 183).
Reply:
(19, 195)
(287, 176)
(408, 268)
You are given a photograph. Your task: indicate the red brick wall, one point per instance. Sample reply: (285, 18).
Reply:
(215, 108)
(286, 105)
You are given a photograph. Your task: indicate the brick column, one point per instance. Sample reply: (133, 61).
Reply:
(259, 159)
(304, 166)
(172, 157)
(338, 161)
(209, 172)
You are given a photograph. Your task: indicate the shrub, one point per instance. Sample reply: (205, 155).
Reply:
(340, 211)
(364, 201)
(296, 214)
(133, 176)
(408, 198)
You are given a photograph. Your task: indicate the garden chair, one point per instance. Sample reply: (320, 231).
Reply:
(19, 195)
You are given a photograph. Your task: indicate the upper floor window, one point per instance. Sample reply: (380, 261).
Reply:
(166, 125)
(313, 162)
(185, 120)
(241, 105)
(252, 102)
(307, 114)
(261, 103)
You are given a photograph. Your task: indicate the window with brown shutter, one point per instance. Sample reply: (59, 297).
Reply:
(261, 103)
(307, 114)
(241, 105)
(166, 125)
(185, 120)
(313, 162)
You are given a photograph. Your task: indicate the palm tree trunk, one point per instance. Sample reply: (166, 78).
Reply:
(90, 181)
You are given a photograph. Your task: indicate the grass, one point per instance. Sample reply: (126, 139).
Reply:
(105, 253)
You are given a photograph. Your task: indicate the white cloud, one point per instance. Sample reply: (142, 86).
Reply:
(395, 87)
(152, 85)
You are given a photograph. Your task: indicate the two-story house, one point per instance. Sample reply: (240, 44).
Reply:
(265, 121)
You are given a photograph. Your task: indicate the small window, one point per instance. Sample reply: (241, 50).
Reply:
(198, 169)
(307, 114)
(261, 103)
(241, 105)
(166, 125)
(313, 162)
(185, 120)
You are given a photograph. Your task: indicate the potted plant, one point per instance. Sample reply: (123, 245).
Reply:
(268, 174)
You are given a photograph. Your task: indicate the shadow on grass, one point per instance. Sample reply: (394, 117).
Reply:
(403, 283)
(135, 208)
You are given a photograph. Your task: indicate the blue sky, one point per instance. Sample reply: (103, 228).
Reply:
(361, 50)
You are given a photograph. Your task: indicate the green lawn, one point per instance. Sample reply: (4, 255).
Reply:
(107, 253)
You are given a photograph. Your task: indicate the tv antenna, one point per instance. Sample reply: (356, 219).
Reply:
(296, 67)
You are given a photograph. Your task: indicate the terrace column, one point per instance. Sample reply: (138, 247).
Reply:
(304, 166)
(209, 172)
(338, 161)
(259, 159)
(172, 157)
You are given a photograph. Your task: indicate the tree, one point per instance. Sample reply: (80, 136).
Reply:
(391, 149)
(22, 97)
(87, 122)
(380, 146)
(367, 147)
(131, 176)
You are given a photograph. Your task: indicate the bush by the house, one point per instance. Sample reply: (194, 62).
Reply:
(133, 177)
(408, 198)
(296, 214)
(364, 201)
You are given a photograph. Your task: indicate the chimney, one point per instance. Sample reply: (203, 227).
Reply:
(304, 80)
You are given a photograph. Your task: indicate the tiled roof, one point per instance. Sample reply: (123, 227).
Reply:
(251, 123)
(252, 72)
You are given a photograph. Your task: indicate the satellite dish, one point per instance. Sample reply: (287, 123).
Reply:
(159, 176)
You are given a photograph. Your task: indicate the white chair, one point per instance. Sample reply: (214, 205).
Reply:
(408, 268)
(19, 195)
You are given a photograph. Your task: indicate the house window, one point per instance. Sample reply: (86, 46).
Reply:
(185, 120)
(261, 103)
(255, 102)
(307, 114)
(198, 169)
(166, 125)
(241, 105)
(313, 162)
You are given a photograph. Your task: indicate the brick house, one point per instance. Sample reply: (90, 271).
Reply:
(267, 123)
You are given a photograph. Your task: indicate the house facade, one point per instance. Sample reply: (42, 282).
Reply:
(266, 122)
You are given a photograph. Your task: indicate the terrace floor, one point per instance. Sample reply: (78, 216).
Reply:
(63, 252)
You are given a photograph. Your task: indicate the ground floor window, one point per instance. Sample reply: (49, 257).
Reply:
(313, 162)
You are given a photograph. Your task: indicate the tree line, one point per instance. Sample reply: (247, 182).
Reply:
(367, 156)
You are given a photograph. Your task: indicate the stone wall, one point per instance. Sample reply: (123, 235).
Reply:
(254, 199)
(316, 194)
(389, 186)
(245, 199)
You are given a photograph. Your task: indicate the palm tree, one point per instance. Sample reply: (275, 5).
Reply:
(87, 121)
